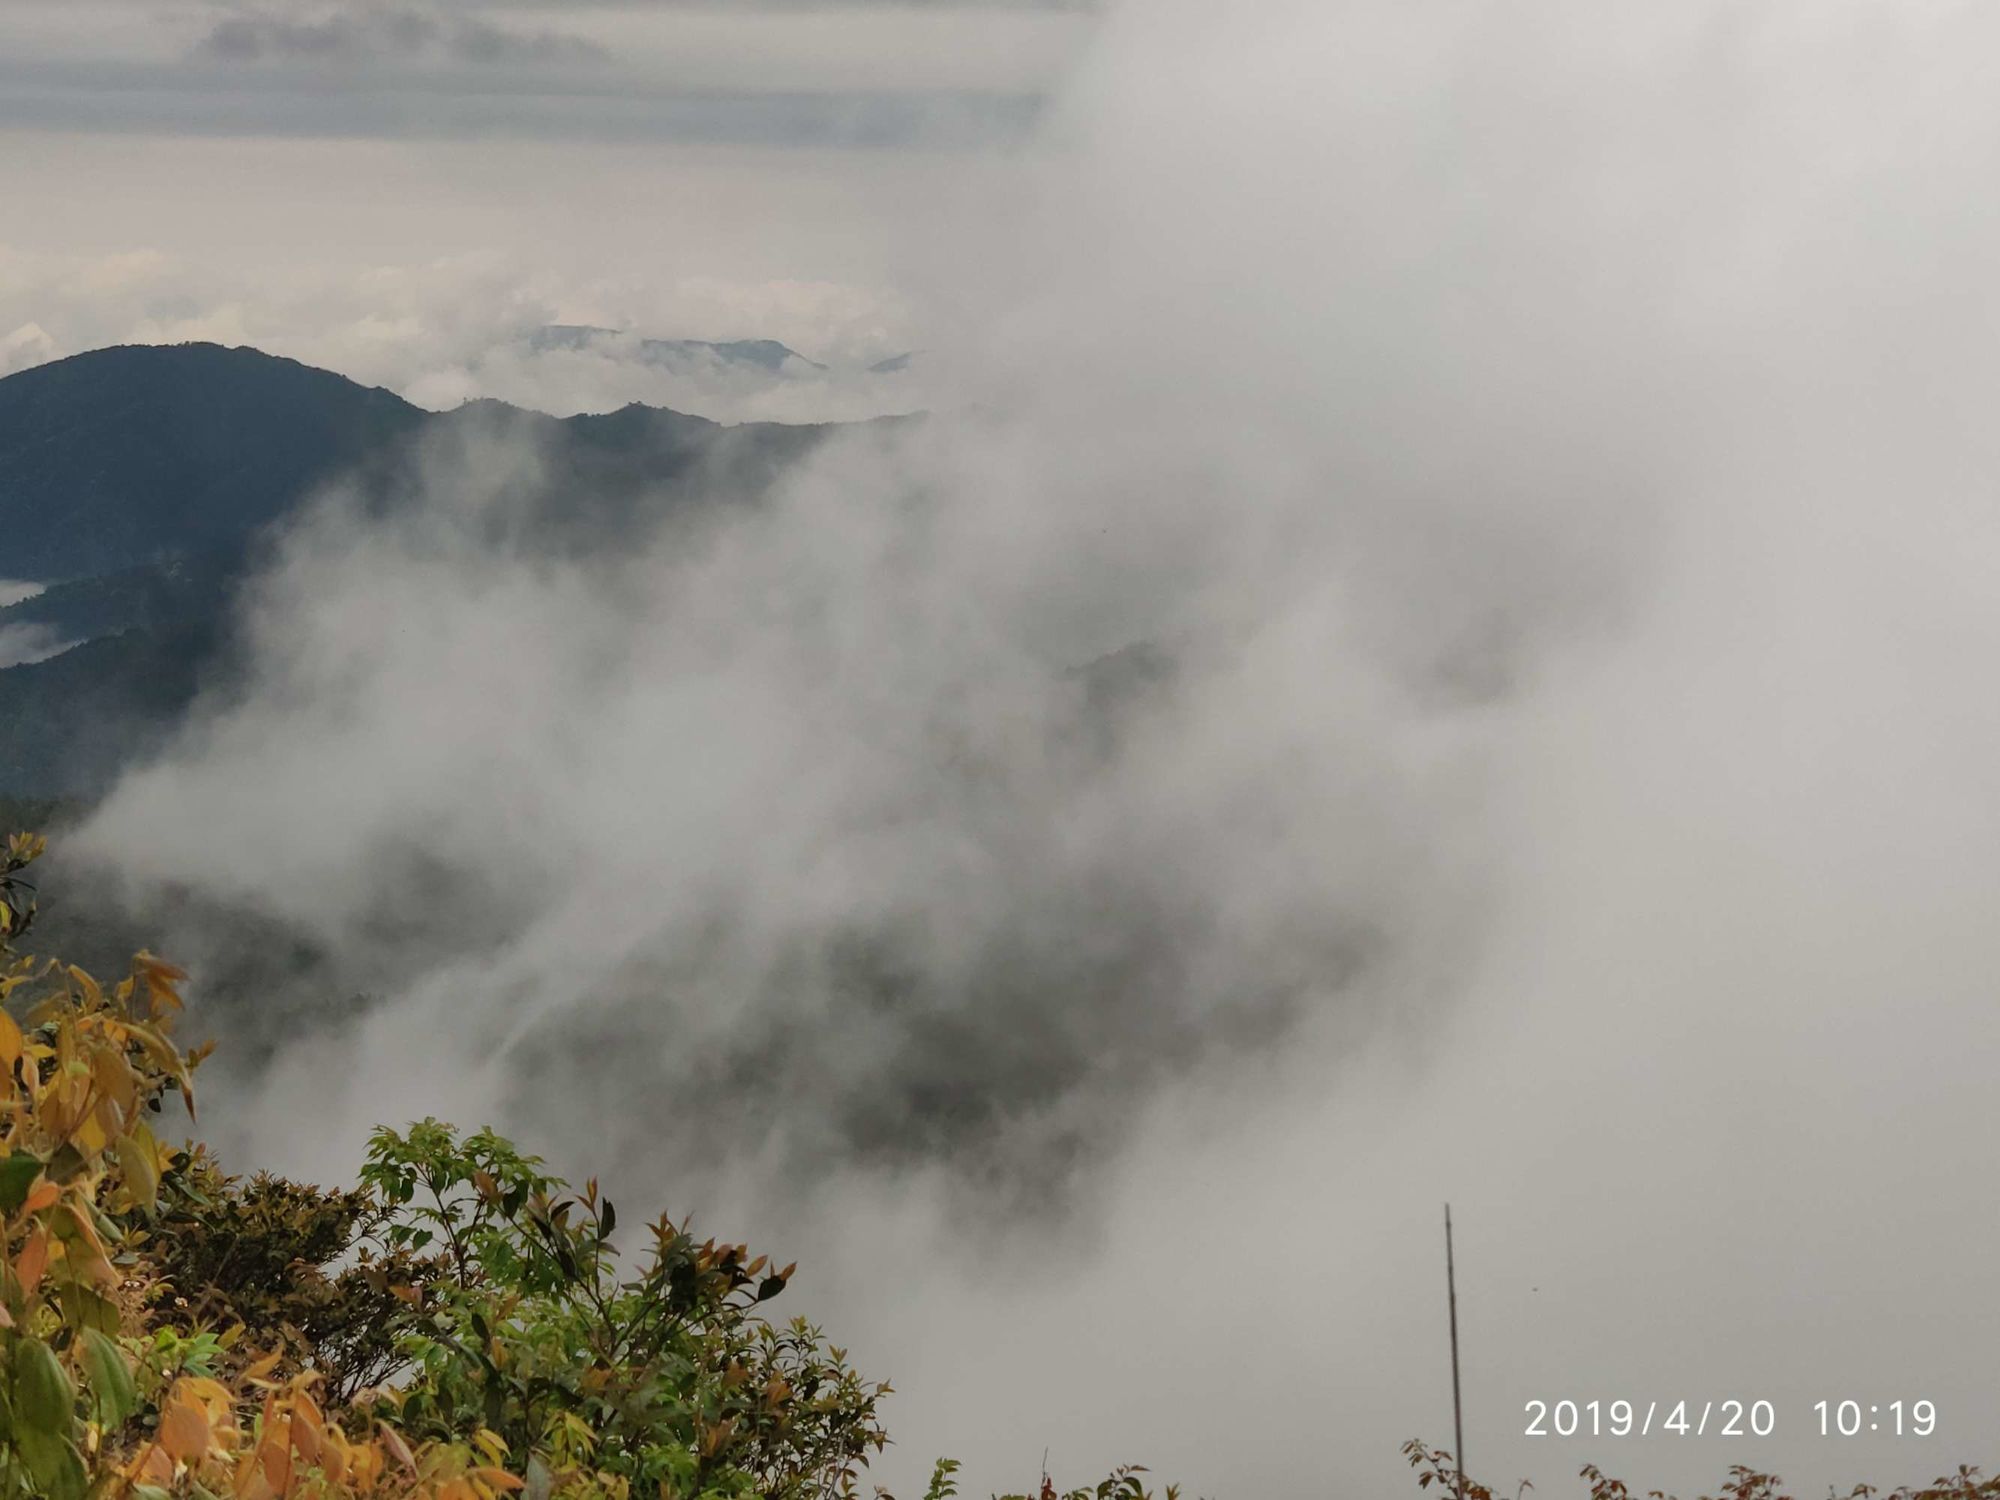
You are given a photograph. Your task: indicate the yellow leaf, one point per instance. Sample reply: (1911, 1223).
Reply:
(142, 1176)
(113, 1076)
(398, 1449)
(160, 979)
(210, 1393)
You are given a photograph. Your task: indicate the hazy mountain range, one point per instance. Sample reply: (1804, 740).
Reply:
(766, 355)
(138, 484)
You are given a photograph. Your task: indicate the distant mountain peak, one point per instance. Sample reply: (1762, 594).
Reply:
(127, 454)
(765, 354)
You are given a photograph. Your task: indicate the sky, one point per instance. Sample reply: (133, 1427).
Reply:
(401, 191)
(1528, 471)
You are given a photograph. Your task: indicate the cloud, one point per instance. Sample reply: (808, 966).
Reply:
(868, 77)
(1438, 668)
(464, 328)
(21, 644)
(147, 101)
(29, 344)
(389, 34)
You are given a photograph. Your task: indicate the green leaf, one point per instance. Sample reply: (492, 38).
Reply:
(110, 1378)
(85, 1307)
(17, 1174)
(44, 1400)
(54, 1464)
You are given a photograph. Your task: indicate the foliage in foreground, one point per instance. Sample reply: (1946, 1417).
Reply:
(456, 1327)
(1437, 1470)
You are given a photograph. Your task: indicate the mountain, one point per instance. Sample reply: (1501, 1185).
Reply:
(123, 456)
(141, 483)
(767, 355)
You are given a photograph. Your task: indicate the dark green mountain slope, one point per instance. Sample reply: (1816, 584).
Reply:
(123, 456)
(141, 483)
(68, 723)
(145, 597)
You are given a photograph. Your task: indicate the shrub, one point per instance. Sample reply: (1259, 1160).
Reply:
(1436, 1468)
(456, 1327)
(94, 1399)
(664, 1379)
(169, 1331)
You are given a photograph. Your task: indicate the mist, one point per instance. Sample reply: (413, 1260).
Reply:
(1438, 661)
(465, 327)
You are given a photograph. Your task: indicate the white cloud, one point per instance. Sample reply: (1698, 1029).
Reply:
(463, 328)
(21, 644)
(29, 344)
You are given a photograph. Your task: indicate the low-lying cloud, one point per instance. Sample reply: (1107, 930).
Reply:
(467, 329)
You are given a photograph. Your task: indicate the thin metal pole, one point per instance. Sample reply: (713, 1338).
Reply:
(1457, 1405)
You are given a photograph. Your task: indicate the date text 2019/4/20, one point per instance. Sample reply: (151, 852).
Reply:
(1724, 1418)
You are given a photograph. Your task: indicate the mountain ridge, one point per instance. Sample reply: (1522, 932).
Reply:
(141, 483)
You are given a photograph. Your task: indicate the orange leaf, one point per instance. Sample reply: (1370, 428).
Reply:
(276, 1458)
(184, 1429)
(33, 1260)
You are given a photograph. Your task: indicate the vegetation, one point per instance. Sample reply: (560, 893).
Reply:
(456, 1326)
(460, 1325)
(1437, 1471)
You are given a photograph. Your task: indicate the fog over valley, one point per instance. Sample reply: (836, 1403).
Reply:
(1068, 662)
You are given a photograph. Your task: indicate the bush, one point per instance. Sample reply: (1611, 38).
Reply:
(454, 1328)
(665, 1379)
(1436, 1469)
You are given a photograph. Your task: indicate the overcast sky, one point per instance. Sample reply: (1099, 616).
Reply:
(295, 174)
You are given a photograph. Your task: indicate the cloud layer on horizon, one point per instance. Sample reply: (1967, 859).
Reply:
(386, 34)
(867, 76)
(460, 330)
